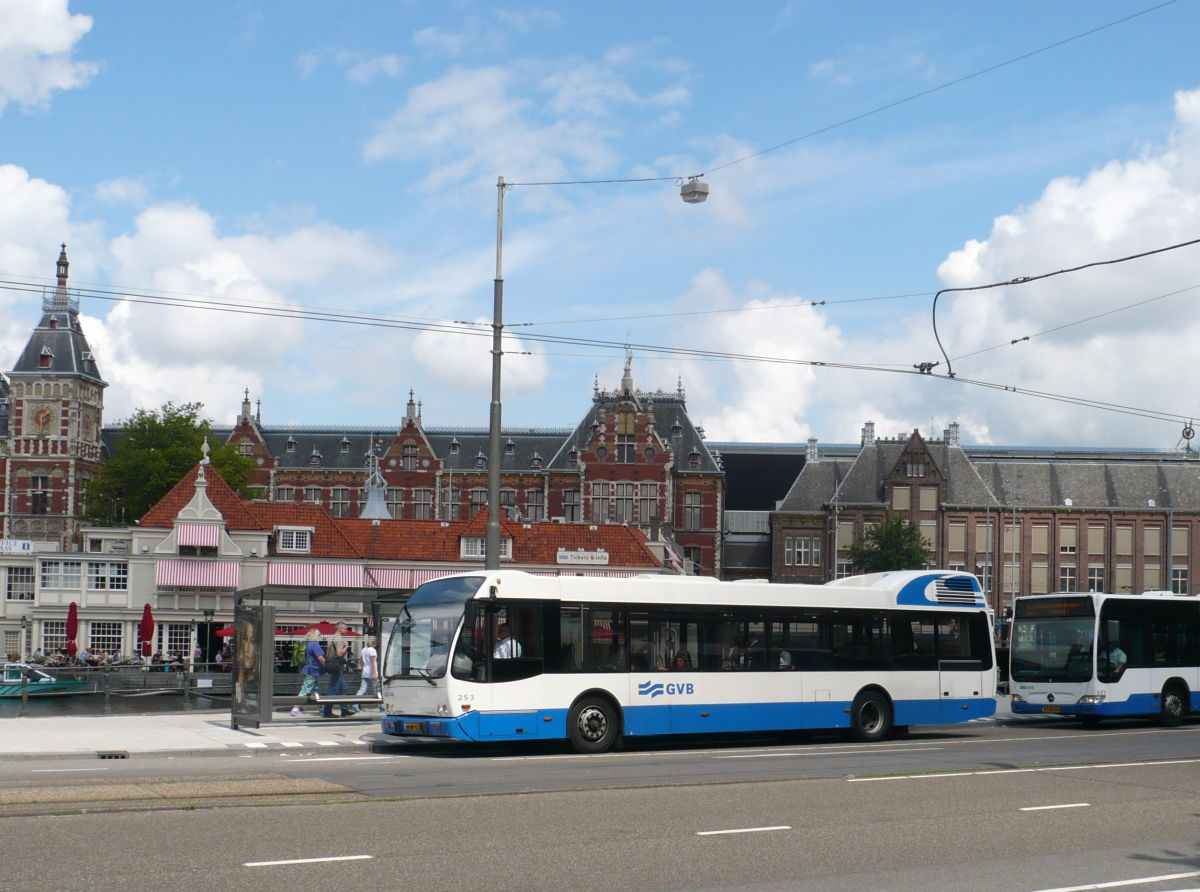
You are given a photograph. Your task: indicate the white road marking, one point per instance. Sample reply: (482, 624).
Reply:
(742, 830)
(889, 749)
(256, 745)
(290, 744)
(346, 759)
(328, 743)
(863, 780)
(58, 770)
(1116, 884)
(1051, 807)
(308, 860)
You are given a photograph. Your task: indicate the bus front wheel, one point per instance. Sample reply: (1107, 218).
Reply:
(1174, 705)
(592, 726)
(870, 717)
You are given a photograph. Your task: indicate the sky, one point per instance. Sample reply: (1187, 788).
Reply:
(344, 157)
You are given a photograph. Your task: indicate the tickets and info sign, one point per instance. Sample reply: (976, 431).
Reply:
(582, 558)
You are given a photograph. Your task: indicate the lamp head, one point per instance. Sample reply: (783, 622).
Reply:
(693, 191)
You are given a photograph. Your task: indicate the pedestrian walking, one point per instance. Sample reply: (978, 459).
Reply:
(314, 665)
(370, 671)
(335, 666)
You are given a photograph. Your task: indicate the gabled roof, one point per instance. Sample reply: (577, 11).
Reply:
(234, 509)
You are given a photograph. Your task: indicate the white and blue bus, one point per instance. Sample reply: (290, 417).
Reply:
(505, 655)
(1095, 655)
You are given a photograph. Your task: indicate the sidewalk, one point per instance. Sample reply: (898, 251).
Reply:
(177, 733)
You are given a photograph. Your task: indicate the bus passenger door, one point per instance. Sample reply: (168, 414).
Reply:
(958, 683)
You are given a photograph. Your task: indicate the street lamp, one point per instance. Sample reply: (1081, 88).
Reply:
(694, 191)
(24, 640)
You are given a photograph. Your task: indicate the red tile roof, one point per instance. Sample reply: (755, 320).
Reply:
(404, 540)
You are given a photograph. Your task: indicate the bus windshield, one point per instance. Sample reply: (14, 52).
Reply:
(419, 645)
(1052, 640)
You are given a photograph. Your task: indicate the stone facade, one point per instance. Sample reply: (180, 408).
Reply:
(1025, 521)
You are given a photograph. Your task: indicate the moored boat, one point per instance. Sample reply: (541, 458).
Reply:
(38, 682)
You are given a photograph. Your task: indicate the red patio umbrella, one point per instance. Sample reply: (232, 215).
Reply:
(146, 629)
(72, 628)
(224, 632)
(325, 627)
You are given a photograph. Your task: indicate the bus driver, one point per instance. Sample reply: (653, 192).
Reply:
(506, 646)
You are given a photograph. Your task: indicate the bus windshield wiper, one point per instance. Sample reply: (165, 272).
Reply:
(421, 673)
(413, 670)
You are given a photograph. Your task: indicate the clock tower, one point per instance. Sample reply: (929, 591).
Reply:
(56, 403)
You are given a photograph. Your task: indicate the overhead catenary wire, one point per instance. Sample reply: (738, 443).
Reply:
(938, 87)
(597, 343)
(1012, 342)
(858, 117)
(927, 367)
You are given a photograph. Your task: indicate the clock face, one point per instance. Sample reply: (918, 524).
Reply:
(41, 419)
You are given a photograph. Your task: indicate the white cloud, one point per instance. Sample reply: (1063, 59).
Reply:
(37, 40)
(360, 68)
(123, 190)
(544, 121)
(525, 20)
(464, 364)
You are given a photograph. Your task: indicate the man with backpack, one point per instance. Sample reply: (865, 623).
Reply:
(335, 666)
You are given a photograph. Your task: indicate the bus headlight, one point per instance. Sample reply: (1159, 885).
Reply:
(1092, 698)
(443, 709)
(1017, 698)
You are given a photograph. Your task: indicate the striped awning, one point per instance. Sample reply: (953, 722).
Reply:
(315, 574)
(402, 577)
(196, 574)
(199, 534)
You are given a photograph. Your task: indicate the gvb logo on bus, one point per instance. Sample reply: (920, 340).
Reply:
(654, 689)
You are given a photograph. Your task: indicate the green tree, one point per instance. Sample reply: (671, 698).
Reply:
(153, 451)
(894, 544)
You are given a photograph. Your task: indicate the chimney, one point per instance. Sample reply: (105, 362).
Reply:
(654, 528)
(812, 450)
(952, 434)
(868, 434)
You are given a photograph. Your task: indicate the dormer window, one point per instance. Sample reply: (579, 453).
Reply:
(455, 446)
(535, 461)
(914, 469)
(510, 447)
(290, 446)
(573, 457)
(694, 459)
(315, 458)
(45, 358)
(481, 460)
(53, 322)
(294, 541)
(345, 444)
(474, 548)
(676, 428)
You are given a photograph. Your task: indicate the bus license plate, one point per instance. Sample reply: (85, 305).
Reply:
(413, 727)
(1051, 709)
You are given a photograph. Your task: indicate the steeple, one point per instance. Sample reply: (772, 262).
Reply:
(246, 416)
(61, 299)
(627, 378)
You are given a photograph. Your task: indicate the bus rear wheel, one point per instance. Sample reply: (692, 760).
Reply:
(592, 726)
(1173, 705)
(1089, 721)
(870, 717)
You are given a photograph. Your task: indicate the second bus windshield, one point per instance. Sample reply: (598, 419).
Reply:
(1052, 640)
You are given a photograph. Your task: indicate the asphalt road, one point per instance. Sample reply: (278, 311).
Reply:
(988, 806)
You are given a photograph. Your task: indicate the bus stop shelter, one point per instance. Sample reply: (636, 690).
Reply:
(254, 636)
